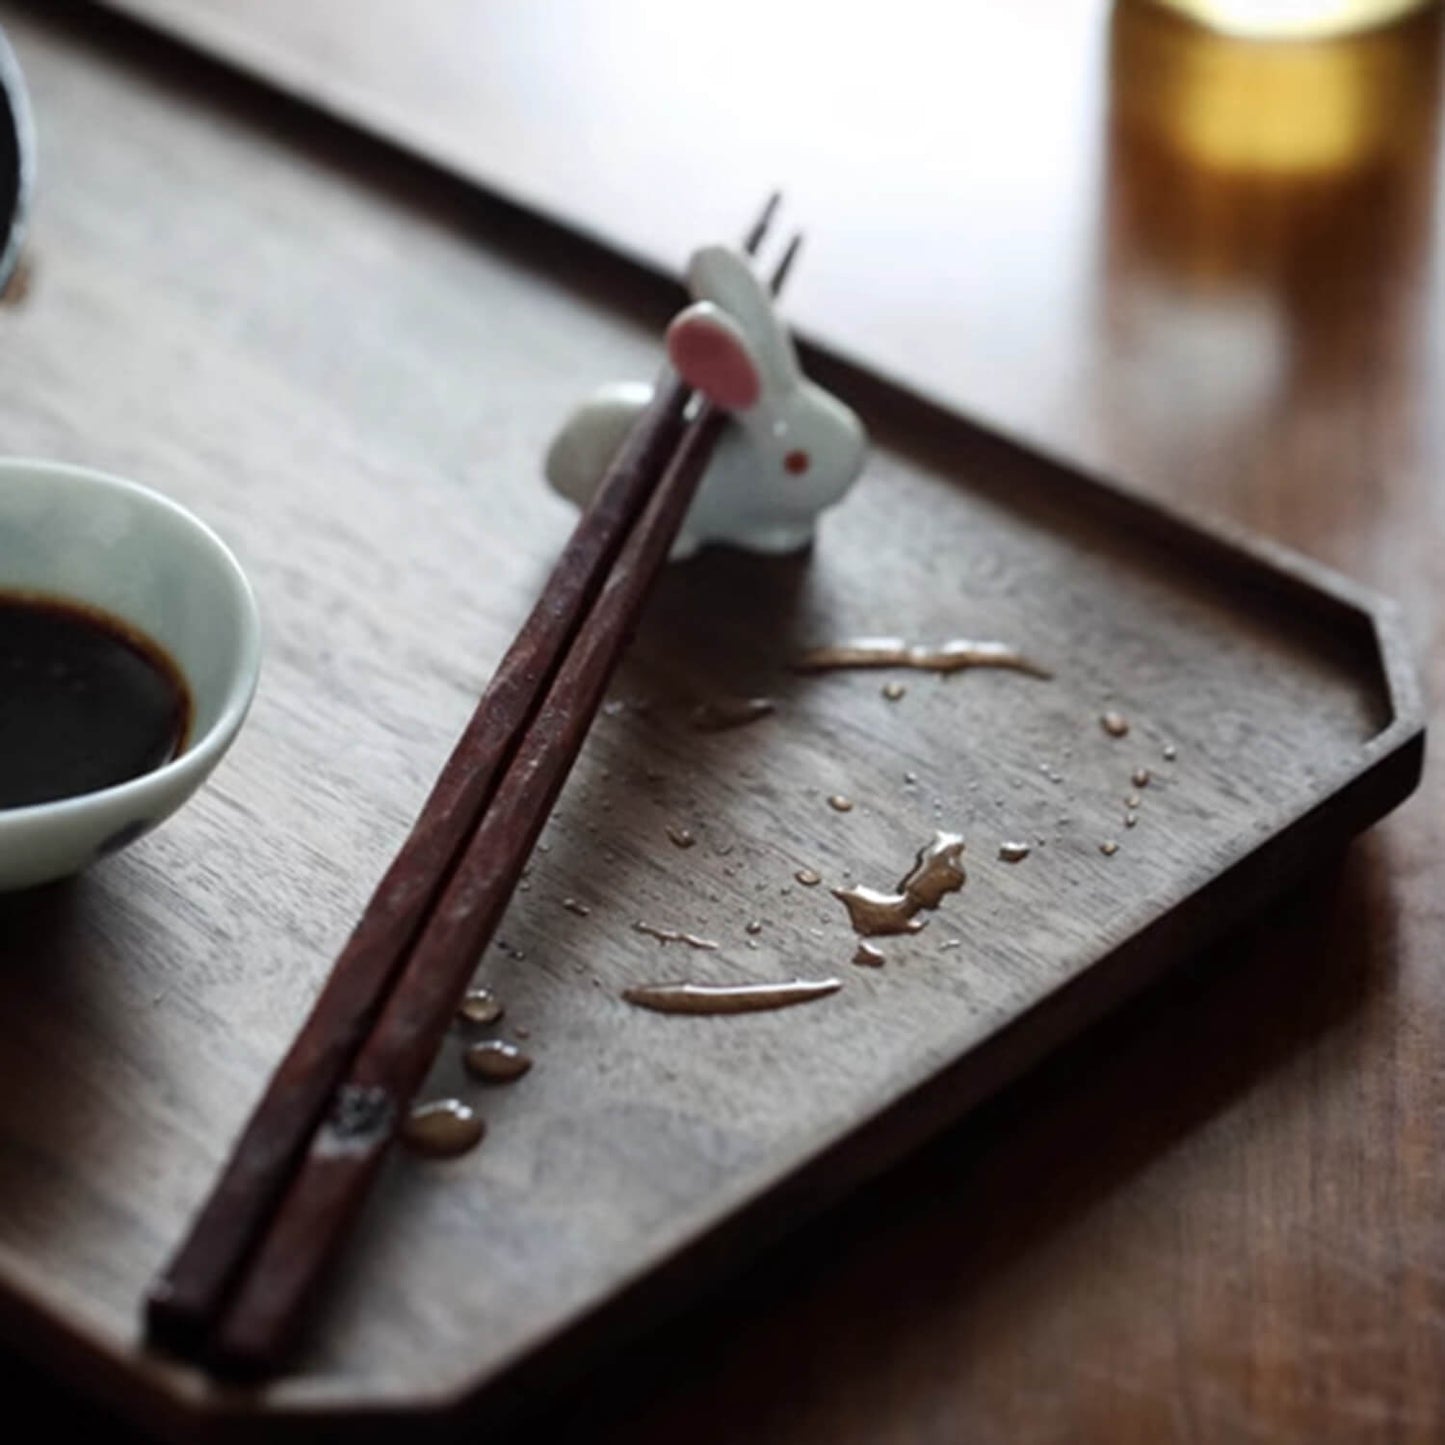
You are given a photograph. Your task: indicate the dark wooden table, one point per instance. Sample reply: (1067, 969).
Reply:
(1215, 271)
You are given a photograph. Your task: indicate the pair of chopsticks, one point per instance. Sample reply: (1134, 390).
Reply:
(236, 1291)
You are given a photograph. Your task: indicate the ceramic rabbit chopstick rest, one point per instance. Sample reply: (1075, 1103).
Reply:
(793, 451)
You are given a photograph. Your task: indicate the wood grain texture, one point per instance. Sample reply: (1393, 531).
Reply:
(1254, 1254)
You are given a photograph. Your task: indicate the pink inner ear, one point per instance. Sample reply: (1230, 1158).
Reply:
(708, 356)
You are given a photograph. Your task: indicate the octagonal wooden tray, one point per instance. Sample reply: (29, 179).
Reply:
(351, 367)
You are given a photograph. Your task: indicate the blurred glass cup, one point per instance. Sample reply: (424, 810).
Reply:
(1337, 105)
(1267, 203)
(1294, 19)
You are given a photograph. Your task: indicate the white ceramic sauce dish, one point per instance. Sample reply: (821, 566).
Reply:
(80, 536)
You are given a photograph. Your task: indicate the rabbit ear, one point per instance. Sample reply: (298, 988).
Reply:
(712, 353)
(720, 275)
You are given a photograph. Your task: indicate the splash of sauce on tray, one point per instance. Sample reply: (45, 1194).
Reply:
(728, 998)
(955, 655)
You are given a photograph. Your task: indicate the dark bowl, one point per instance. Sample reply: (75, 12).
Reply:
(17, 160)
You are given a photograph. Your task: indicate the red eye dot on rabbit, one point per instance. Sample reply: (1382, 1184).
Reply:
(792, 450)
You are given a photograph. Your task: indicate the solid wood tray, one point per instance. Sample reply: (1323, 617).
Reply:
(351, 369)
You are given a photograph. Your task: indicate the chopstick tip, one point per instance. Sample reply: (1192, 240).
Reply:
(786, 262)
(763, 224)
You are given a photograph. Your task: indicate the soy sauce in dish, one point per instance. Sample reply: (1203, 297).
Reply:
(86, 701)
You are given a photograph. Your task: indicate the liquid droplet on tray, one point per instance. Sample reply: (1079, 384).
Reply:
(875, 914)
(894, 691)
(681, 837)
(480, 1006)
(724, 713)
(1115, 724)
(496, 1061)
(732, 998)
(840, 804)
(443, 1128)
(952, 656)
(1141, 777)
(1013, 852)
(808, 878)
(672, 935)
(937, 870)
(1108, 847)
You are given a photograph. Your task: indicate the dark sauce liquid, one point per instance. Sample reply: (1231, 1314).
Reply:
(85, 701)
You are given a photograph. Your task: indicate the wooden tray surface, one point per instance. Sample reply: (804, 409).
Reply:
(351, 370)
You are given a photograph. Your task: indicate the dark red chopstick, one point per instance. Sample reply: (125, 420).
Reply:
(187, 1299)
(314, 1218)
(258, 1330)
